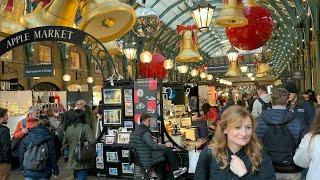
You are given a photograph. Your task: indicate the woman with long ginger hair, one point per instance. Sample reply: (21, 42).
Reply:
(235, 152)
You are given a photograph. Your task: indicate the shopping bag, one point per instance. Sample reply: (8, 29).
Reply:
(193, 160)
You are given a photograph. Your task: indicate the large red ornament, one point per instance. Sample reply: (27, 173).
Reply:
(155, 68)
(256, 33)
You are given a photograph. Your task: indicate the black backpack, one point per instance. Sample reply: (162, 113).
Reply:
(265, 105)
(280, 145)
(36, 156)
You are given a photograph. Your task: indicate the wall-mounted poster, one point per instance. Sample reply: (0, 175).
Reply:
(145, 101)
(112, 116)
(112, 96)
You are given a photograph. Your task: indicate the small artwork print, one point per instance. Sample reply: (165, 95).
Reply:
(125, 153)
(128, 124)
(123, 137)
(112, 96)
(127, 168)
(113, 171)
(112, 116)
(128, 109)
(112, 156)
(109, 139)
(127, 95)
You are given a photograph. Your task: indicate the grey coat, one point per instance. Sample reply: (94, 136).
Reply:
(148, 151)
(70, 140)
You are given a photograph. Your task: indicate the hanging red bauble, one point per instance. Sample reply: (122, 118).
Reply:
(256, 33)
(155, 68)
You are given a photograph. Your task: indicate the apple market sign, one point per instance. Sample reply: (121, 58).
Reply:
(59, 33)
(46, 33)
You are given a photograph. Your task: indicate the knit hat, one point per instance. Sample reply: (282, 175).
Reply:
(291, 87)
(34, 109)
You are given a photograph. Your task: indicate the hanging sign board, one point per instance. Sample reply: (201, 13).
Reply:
(46, 33)
(40, 70)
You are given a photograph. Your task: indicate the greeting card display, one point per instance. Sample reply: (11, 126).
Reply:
(145, 101)
(112, 116)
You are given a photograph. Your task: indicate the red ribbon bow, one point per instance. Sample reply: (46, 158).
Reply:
(192, 28)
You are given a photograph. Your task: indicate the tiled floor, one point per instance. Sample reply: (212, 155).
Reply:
(65, 174)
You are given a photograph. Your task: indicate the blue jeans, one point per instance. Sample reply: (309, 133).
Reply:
(81, 174)
(31, 178)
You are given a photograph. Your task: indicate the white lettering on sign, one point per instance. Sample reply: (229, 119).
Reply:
(18, 39)
(50, 33)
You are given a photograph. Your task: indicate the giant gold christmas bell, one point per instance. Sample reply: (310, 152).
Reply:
(262, 69)
(188, 45)
(233, 69)
(106, 19)
(56, 13)
(10, 12)
(232, 14)
(112, 48)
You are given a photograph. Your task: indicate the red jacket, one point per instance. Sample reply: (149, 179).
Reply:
(30, 123)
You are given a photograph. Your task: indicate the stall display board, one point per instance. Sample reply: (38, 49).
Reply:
(145, 101)
(17, 102)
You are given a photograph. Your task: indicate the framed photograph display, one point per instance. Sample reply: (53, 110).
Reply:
(125, 153)
(112, 97)
(112, 117)
(113, 171)
(128, 124)
(123, 137)
(112, 156)
(127, 168)
(110, 139)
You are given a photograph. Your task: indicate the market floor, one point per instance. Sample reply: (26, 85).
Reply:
(65, 174)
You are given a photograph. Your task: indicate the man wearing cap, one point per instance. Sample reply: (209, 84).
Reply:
(301, 109)
(24, 125)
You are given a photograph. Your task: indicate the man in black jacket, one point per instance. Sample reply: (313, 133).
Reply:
(69, 117)
(5, 146)
(151, 153)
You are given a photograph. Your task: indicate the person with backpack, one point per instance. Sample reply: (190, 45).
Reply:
(22, 129)
(262, 102)
(37, 153)
(280, 132)
(5, 146)
(71, 138)
(307, 155)
(236, 152)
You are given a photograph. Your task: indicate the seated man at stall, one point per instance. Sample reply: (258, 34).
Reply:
(150, 153)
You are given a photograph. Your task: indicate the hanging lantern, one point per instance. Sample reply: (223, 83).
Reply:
(130, 53)
(146, 57)
(66, 77)
(244, 68)
(210, 77)
(202, 12)
(183, 69)
(203, 75)
(194, 72)
(90, 80)
(148, 22)
(189, 51)
(256, 33)
(231, 14)
(168, 64)
(232, 54)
